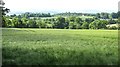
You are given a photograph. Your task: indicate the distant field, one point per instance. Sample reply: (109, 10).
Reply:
(112, 25)
(56, 46)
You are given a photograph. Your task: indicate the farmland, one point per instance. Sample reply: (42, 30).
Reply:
(23, 46)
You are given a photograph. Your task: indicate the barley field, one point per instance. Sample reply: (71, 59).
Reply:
(24, 46)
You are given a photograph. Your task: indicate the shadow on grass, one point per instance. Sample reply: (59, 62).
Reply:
(52, 56)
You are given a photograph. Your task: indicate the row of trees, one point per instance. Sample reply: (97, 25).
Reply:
(59, 23)
(28, 15)
(102, 15)
(74, 14)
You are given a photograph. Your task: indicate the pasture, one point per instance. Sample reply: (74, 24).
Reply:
(59, 46)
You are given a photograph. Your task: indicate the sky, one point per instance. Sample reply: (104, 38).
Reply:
(58, 6)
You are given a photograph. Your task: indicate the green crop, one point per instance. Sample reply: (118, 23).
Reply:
(56, 46)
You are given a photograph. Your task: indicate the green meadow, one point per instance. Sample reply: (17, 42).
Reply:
(24, 46)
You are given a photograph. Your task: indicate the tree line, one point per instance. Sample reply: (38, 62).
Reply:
(29, 14)
(71, 22)
(102, 15)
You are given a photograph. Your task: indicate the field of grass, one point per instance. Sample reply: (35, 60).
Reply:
(56, 46)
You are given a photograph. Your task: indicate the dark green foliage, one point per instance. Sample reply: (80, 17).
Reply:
(60, 22)
(68, 14)
(72, 19)
(78, 20)
(111, 21)
(89, 20)
(104, 15)
(5, 10)
(98, 15)
(3, 13)
(85, 25)
(114, 15)
(33, 20)
(97, 24)
(28, 15)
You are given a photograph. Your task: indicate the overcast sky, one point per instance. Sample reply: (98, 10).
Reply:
(85, 6)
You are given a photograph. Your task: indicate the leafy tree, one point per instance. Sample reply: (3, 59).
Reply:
(38, 23)
(24, 22)
(104, 15)
(97, 24)
(111, 21)
(32, 23)
(9, 23)
(49, 25)
(98, 15)
(14, 15)
(71, 25)
(20, 23)
(3, 10)
(42, 24)
(92, 25)
(28, 14)
(85, 25)
(114, 15)
(76, 25)
(72, 19)
(89, 20)
(3, 21)
(78, 21)
(15, 21)
(60, 22)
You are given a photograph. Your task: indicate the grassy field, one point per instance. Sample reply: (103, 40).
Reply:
(56, 46)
